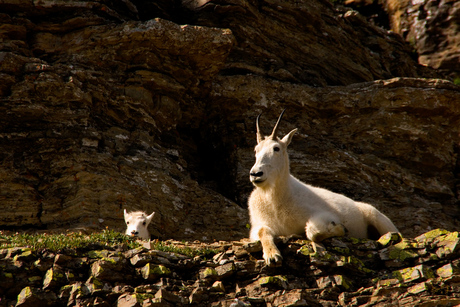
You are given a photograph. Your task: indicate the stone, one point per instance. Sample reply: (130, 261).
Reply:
(96, 287)
(156, 302)
(342, 282)
(152, 272)
(163, 294)
(402, 251)
(232, 303)
(140, 260)
(25, 255)
(110, 269)
(218, 286)
(98, 254)
(360, 300)
(389, 238)
(208, 273)
(62, 259)
(78, 292)
(448, 270)
(253, 247)
(418, 289)
(198, 295)
(324, 282)
(278, 281)
(128, 300)
(431, 236)
(35, 297)
(99, 302)
(292, 298)
(431, 28)
(54, 278)
(448, 245)
(226, 270)
(414, 273)
(336, 280)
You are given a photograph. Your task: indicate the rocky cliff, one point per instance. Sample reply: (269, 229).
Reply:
(430, 27)
(151, 105)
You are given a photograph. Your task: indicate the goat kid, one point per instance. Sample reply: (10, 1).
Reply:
(137, 223)
(282, 205)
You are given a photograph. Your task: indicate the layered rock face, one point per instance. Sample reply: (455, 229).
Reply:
(151, 105)
(431, 28)
(368, 141)
(81, 144)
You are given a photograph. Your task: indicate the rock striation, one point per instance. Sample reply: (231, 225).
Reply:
(368, 141)
(151, 105)
(430, 27)
(423, 271)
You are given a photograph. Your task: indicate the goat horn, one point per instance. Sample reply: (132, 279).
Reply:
(259, 135)
(275, 129)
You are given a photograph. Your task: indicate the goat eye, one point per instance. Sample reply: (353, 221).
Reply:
(143, 223)
(276, 148)
(127, 223)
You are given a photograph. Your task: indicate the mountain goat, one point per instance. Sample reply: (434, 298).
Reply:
(137, 223)
(282, 205)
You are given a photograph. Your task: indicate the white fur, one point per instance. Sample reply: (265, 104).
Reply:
(137, 223)
(280, 204)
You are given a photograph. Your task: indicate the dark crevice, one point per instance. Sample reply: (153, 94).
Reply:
(457, 179)
(215, 162)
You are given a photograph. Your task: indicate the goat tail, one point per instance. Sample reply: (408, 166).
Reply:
(378, 223)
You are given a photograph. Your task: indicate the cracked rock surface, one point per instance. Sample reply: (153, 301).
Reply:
(346, 272)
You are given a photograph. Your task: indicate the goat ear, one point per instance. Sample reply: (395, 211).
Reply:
(150, 217)
(288, 137)
(125, 214)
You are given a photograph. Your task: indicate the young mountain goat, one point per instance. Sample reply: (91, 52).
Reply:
(137, 223)
(281, 205)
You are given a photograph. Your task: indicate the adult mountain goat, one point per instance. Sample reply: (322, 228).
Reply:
(282, 205)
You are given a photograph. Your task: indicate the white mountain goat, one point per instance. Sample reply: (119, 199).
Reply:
(282, 205)
(137, 223)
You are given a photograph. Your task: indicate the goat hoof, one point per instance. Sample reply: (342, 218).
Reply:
(273, 260)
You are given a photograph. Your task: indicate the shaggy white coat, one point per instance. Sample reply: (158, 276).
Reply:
(282, 205)
(137, 223)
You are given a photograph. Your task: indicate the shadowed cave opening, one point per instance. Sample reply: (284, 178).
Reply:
(214, 164)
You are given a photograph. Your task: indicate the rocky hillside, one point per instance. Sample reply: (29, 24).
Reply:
(389, 272)
(151, 105)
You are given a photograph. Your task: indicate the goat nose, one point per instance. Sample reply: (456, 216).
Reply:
(134, 232)
(258, 174)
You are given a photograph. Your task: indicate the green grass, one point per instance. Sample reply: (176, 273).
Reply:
(105, 239)
(57, 242)
(207, 253)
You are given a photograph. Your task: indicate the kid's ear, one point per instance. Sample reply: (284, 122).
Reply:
(150, 217)
(288, 137)
(125, 214)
